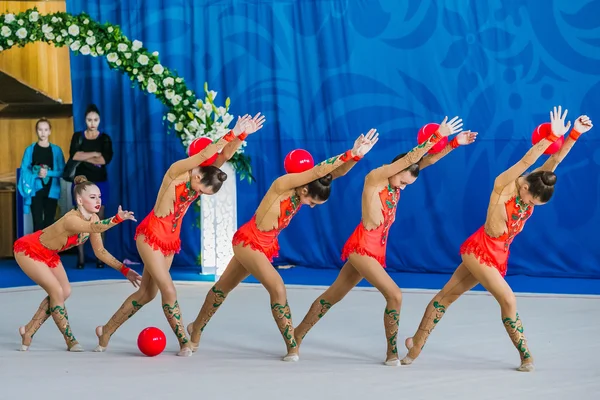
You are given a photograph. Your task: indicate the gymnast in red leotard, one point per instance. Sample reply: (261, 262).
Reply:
(365, 250)
(255, 243)
(37, 255)
(485, 253)
(157, 236)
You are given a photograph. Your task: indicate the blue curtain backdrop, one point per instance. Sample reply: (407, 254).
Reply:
(325, 71)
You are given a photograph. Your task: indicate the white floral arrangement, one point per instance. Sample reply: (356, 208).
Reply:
(189, 116)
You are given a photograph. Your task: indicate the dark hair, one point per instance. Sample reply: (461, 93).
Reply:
(541, 184)
(43, 120)
(92, 109)
(413, 168)
(320, 189)
(212, 177)
(81, 183)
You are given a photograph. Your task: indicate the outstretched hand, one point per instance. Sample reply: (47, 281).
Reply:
(451, 127)
(558, 122)
(254, 124)
(134, 278)
(466, 137)
(125, 215)
(240, 124)
(583, 124)
(364, 144)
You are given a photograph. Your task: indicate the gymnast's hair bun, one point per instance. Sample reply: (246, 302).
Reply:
(80, 179)
(326, 180)
(222, 176)
(548, 178)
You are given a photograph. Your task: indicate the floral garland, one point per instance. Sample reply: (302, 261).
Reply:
(189, 116)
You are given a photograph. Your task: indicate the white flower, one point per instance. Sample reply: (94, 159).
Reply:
(86, 21)
(90, 40)
(119, 62)
(227, 118)
(151, 86)
(158, 69)
(47, 28)
(143, 59)
(5, 31)
(208, 108)
(201, 114)
(135, 71)
(94, 54)
(99, 50)
(140, 78)
(54, 20)
(221, 111)
(59, 39)
(32, 37)
(8, 18)
(169, 94)
(1, 48)
(178, 80)
(49, 36)
(188, 93)
(212, 94)
(122, 47)
(168, 81)
(34, 16)
(73, 30)
(136, 45)
(64, 32)
(90, 32)
(108, 46)
(179, 127)
(10, 42)
(20, 22)
(155, 54)
(128, 55)
(110, 29)
(21, 33)
(176, 100)
(186, 102)
(112, 57)
(85, 50)
(171, 117)
(75, 45)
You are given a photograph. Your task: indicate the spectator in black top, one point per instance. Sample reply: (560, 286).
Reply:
(39, 183)
(94, 149)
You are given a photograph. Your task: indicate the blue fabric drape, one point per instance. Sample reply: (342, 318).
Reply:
(325, 71)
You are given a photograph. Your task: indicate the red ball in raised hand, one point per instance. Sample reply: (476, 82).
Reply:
(541, 132)
(425, 133)
(298, 160)
(197, 146)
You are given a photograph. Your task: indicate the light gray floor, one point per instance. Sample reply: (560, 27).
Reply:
(469, 355)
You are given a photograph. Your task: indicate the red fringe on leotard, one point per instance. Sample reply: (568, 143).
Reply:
(157, 233)
(489, 251)
(265, 242)
(31, 246)
(367, 243)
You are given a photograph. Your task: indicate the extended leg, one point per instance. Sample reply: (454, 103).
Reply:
(234, 274)
(158, 266)
(346, 280)
(145, 294)
(259, 266)
(374, 273)
(41, 274)
(494, 283)
(461, 281)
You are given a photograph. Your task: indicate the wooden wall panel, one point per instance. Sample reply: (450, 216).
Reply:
(39, 65)
(17, 134)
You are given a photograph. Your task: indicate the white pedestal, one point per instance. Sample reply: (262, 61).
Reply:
(217, 225)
